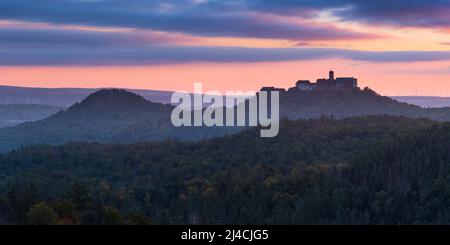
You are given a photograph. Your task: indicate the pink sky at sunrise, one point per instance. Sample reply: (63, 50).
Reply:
(427, 78)
(258, 45)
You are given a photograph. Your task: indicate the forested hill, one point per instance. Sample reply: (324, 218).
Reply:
(297, 104)
(101, 117)
(375, 169)
(107, 116)
(118, 116)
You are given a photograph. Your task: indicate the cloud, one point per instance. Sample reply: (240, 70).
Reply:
(408, 13)
(398, 56)
(153, 55)
(210, 18)
(237, 18)
(69, 38)
(303, 44)
(154, 28)
(434, 13)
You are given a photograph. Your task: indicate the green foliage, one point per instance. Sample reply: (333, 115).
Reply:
(366, 170)
(79, 197)
(67, 212)
(41, 214)
(111, 216)
(137, 219)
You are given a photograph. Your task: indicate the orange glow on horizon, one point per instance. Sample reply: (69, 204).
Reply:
(421, 78)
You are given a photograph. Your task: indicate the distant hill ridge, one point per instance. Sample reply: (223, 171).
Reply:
(339, 104)
(14, 114)
(425, 101)
(119, 116)
(106, 116)
(110, 96)
(66, 97)
(117, 102)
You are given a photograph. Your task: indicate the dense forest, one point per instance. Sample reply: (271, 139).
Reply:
(363, 170)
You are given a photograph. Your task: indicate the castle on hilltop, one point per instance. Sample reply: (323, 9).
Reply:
(340, 83)
(332, 83)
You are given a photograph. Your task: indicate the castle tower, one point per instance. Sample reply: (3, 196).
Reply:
(331, 75)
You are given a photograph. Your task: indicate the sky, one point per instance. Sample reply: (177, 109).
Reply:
(399, 47)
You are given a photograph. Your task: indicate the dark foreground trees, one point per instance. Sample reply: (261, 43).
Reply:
(367, 170)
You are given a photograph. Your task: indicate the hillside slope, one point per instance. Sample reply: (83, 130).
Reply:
(107, 116)
(313, 104)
